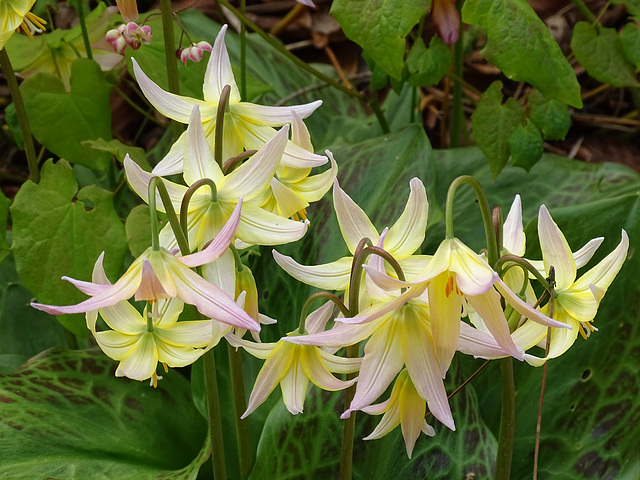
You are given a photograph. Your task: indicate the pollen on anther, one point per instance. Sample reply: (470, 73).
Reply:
(449, 287)
(166, 368)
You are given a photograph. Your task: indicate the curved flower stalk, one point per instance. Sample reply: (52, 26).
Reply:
(246, 126)
(139, 342)
(401, 241)
(405, 407)
(157, 274)
(14, 15)
(208, 211)
(293, 366)
(575, 301)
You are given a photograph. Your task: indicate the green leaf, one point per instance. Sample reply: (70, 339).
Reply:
(633, 6)
(4, 212)
(58, 230)
(61, 121)
(428, 66)
(520, 44)
(11, 117)
(526, 146)
(550, 116)
(65, 415)
(602, 55)
(380, 27)
(138, 229)
(630, 38)
(493, 123)
(120, 150)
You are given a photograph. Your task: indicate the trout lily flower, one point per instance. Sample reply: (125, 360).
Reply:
(401, 241)
(293, 366)
(15, 15)
(575, 300)
(209, 210)
(246, 126)
(139, 342)
(158, 274)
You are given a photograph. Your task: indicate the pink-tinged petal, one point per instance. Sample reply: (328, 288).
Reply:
(253, 176)
(490, 310)
(168, 104)
(423, 366)
(606, 270)
(172, 163)
(140, 362)
(259, 227)
(479, 344)
(294, 388)
(150, 287)
(513, 237)
(583, 255)
(273, 371)
(123, 289)
(299, 132)
(382, 280)
(199, 161)
(98, 275)
(412, 409)
(524, 308)
(354, 223)
(192, 334)
(139, 180)
(330, 276)
(340, 335)
(219, 73)
(555, 250)
(389, 421)
(529, 334)
(382, 361)
(317, 320)
(258, 350)
(178, 356)
(221, 273)
(337, 364)
(88, 288)
(445, 303)
(114, 344)
(378, 408)
(315, 369)
(446, 17)
(273, 116)
(377, 312)
(219, 245)
(407, 234)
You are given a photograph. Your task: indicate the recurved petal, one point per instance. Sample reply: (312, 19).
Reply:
(273, 116)
(219, 73)
(555, 250)
(473, 275)
(407, 234)
(192, 333)
(479, 344)
(313, 187)
(178, 356)
(604, 272)
(139, 180)
(388, 422)
(140, 362)
(317, 371)
(170, 105)
(199, 162)
(354, 222)
(299, 132)
(171, 164)
(259, 227)
(294, 387)
(524, 308)
(115, 344)
(330, 276)
(124, 318)
(258, 350)
(513, 237)
(337, 364)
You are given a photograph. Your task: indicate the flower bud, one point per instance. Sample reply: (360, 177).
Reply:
(116, 38)
(136, 35)
(128, 10)
(195, 51)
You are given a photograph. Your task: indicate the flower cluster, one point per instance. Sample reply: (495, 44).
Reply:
(130, 34)
(193, 52)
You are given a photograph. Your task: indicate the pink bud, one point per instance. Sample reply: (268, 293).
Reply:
(136, 35)
(116, 38)
(446, 17)
(195, 51)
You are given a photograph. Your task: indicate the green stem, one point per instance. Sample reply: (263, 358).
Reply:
(215, 419)
(184, 206)
(243, 435)
(305, 308)
(243, 53)
(582, 7)
(457, 117)
(525, 266)
(507, 420)
(219, 133)
(21, 112)
(485, 210)
(181, 238)
(83, 27)
(170, 58)
(373, 103)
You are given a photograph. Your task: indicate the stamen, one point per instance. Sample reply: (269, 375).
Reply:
(584, 335)
(449, 287)
(166, 368)
(154, 380)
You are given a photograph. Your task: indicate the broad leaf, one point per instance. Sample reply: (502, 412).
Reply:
(550, 116)
(4, 211)
(427, 66)
(65, 415)
(602, 54)
(526, 146)
(520, 44)
(630, 38)
(138, 229)
(58, 230)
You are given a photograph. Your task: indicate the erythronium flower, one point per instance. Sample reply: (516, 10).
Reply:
(293, 366)
(206, 215)
(446, 17)
(130, 34)
(246, 125)
(139, 342)
(405, 407)
(194, 52)
(157, 274)
(575, 300)
(401, 241)
(14, 14)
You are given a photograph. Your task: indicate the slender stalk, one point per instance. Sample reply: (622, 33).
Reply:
(184, 206)
(243, 53)
(507, 420)
(215, 419)
(219, 133)
(373, 103)
(170, 57)
(21, 112)
(243, 435)
(83, 27)
(458, 58)
(305, 308)
(179, 233)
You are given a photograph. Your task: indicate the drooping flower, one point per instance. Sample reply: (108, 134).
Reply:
(293, 366)
(158, 274)
(14, 15)
(246, 125)
(446, 17)
(139, 342)
(128, 9)
(206, 214)
(194, 52)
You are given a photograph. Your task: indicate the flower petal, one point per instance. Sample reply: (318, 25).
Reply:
(606, 270)
(274, 116)
(555, 250)
(294, 387)
(259, 227)
(524, 308)
(219, 73)
(445, 303)
(317, 371)
(139, 180)
(513, 237)
(329, 276)
(140, 362)
(354, 223)
(407, 234)
(199, 162)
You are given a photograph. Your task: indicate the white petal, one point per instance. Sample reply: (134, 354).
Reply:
(330, 276)
(219, 73)
(354, 223)
(555, 250)
(513, 237)
(407, 234)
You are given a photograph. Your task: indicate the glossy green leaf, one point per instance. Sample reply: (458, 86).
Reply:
(427, 66)
(58, 230)
(520, 45)
(138, 229)
(61, 121)
(65, 415)
(380, 27)
(526, 146)
(550, 116)
(602, 54)
(493, 124)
